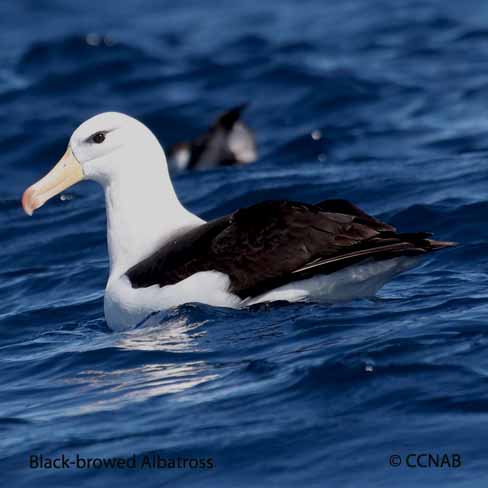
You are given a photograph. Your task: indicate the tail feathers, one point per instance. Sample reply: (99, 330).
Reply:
(435, 245)
(413, 244)
(423, 241)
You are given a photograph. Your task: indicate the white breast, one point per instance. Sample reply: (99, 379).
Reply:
(127, 307)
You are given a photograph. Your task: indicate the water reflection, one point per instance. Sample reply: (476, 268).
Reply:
(175, 367)
(118, 388)
(177, 335)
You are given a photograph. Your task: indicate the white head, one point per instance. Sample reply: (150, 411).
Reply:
(124, 156)
(107, 147)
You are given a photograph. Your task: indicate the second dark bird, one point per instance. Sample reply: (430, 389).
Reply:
(226, 142)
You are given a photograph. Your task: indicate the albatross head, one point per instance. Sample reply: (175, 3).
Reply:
(105, 148)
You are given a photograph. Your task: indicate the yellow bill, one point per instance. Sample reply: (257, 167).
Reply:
(66, 173)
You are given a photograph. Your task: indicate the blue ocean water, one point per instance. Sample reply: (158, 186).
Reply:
(383, 103)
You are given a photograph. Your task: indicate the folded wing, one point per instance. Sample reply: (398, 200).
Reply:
(276, 242)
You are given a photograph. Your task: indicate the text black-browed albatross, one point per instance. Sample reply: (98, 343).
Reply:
(161, 255)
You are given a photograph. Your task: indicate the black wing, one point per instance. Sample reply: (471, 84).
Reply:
(277, 242)
(212, 147)
(227, 119)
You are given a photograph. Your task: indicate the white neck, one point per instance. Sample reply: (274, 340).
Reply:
(143, 212)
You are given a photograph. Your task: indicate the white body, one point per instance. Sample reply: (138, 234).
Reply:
(126, 307)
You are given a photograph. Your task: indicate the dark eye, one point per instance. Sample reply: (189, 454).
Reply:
(98, 137)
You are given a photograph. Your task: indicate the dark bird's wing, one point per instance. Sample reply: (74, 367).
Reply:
(277, 242)
(227, 141)
(227, 119)
(348, 208)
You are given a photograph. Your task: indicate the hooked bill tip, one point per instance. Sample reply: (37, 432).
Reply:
(27, 203)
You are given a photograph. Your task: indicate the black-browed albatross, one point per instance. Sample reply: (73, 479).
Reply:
(162, 255)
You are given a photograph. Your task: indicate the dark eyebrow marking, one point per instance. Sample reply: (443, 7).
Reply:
(104, 132)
